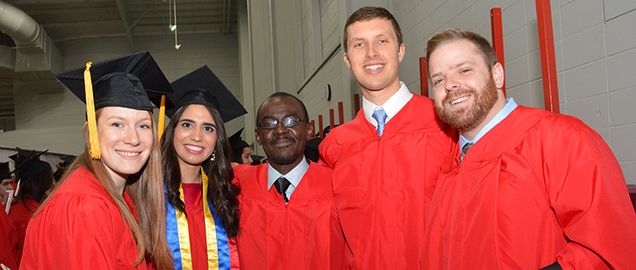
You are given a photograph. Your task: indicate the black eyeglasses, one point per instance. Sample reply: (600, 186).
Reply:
(287, 122)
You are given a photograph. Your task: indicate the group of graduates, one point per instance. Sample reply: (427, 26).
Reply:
(469, 180)
(20, 199)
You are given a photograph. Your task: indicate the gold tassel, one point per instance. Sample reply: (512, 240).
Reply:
(90, 112)
(162, 117)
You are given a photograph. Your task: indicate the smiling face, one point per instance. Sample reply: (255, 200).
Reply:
(284, 146)
(195, 135)
(125, 140)
(467, 94)
(374, 55)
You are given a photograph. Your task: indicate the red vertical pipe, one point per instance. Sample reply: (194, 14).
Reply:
(356, 102)
(423, 77)
(331, 118)
(548, 60)
(320, 126)
(340, 113)
(496, 28)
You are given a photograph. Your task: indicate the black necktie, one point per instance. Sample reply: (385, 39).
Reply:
(281, 185)
(465, 150)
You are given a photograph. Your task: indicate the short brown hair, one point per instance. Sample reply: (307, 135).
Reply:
(369, 13)
(453, 34)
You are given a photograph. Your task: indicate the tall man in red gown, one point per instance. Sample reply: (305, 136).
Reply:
(287, 204)
(387, 159)
(525, 188)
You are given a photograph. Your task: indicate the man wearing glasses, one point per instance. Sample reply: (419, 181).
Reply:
(286, 205)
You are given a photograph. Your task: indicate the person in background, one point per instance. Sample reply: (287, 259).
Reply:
(202, 207)
(108, 211)
(525, 188)
(286, 204)
(8, 243)
(387, 159)
(6, 183)
(241, 151)
(36, 180)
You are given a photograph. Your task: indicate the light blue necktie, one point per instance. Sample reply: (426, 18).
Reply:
(380, 116)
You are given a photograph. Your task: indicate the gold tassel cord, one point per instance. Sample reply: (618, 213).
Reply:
(90, 114)
(162, 117)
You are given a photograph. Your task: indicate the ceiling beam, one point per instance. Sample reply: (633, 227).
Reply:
(123, 13)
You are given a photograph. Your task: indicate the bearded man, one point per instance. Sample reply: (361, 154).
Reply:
(525, 188)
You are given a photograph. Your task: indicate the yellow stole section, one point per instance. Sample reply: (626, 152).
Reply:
(210, 231)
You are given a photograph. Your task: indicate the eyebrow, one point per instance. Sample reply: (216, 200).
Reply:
(192, 121)
(383, 34)
(460, 64)
(122, 118)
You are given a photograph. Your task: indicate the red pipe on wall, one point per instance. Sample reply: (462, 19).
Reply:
(423, 77)
(331, 118)
(548, 62)
(496, 28)
(320, 126)
(340, 113)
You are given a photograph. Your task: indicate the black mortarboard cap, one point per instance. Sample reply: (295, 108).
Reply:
(24, 155)
(130, 81)
(28, 163)
(4, 171)
(32, 168)
(235, 140)
(203, 87)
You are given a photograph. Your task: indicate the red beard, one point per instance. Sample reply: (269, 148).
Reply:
(467, 119)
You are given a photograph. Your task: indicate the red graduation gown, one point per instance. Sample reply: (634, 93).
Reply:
(20, 214)
(382, 185)
(196, 225)
(275, 235)
(80, 227)
(8, 241)
(538, 187)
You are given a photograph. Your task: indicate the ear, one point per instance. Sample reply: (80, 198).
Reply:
(401, 52)
(258, 137)
(85, 129)
(498, 75)
(310, 130)
(346, 60)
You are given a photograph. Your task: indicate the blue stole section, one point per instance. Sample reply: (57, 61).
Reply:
(221, 239)
(222, 243)
(172, 234)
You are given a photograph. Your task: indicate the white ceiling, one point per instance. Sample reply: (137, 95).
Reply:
(66, 20)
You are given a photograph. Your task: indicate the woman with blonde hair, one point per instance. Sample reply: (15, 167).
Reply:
(108, 211)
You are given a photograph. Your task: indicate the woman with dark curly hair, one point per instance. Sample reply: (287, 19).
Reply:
(202, 205)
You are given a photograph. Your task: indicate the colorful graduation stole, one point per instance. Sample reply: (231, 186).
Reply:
(218, 248)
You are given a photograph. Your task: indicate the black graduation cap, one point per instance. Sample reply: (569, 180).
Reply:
(32, 168)
(24, 155)
(28, 163)
(235, 140)
(128, 81)
(4, 171)
(203, 87)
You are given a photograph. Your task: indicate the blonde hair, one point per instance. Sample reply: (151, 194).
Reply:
(147, 195)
